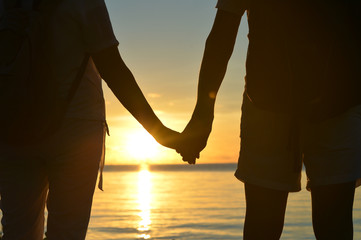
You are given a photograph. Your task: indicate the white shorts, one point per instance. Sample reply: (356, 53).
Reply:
(330, 150)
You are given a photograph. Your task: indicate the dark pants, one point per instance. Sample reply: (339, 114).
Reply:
(62, 172)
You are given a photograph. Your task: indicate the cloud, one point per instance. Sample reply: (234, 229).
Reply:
(154, 95)
(158, 112)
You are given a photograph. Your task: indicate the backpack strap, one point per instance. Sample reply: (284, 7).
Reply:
(77, 79)
(74, 87)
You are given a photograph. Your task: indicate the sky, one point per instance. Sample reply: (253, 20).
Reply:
(162, 42)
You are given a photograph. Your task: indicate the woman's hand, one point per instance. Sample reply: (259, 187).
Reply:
(166, 137)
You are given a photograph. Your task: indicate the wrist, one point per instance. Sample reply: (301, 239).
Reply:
(156, 129)
(204, 111)
(153, 126)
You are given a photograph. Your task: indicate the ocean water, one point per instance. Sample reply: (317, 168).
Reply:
(186, 202)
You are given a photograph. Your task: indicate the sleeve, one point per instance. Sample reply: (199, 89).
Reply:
(95, 26)
(234, 6)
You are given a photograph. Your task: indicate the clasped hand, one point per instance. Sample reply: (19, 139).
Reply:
(191, 141)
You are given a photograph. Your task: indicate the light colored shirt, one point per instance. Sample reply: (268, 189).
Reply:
(81, 27)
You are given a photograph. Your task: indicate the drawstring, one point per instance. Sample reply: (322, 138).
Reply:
(102, 160)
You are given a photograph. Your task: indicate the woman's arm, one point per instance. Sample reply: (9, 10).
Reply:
(124, 86)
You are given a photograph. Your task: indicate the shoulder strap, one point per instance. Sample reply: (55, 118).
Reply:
(74, 87)
(77, 79)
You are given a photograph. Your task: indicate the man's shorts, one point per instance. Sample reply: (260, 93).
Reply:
(330, 150)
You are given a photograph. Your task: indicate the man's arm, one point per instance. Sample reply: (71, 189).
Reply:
(218, 50)
(122, 83)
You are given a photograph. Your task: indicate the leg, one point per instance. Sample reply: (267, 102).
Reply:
(23, 190)
(332, 211)
(72, 179)
(265, 213)
(332, 156)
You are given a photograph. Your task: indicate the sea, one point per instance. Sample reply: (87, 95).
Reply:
(188, 202)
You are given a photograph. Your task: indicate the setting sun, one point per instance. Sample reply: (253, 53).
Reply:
(142, 146)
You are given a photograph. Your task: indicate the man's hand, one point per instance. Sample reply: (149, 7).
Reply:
(194, 137)
(219, 48)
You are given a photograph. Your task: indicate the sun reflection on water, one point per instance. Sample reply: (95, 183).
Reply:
(144, 202)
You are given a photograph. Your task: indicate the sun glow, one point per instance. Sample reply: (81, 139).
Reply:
(144, 201)
(142, 146)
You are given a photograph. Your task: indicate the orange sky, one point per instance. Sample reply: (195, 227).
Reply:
(162, 43)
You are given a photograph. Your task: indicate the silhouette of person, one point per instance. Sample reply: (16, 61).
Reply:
(61, 170)
(301, 103)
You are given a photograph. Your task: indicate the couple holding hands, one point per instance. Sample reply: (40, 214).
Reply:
(301, 105)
